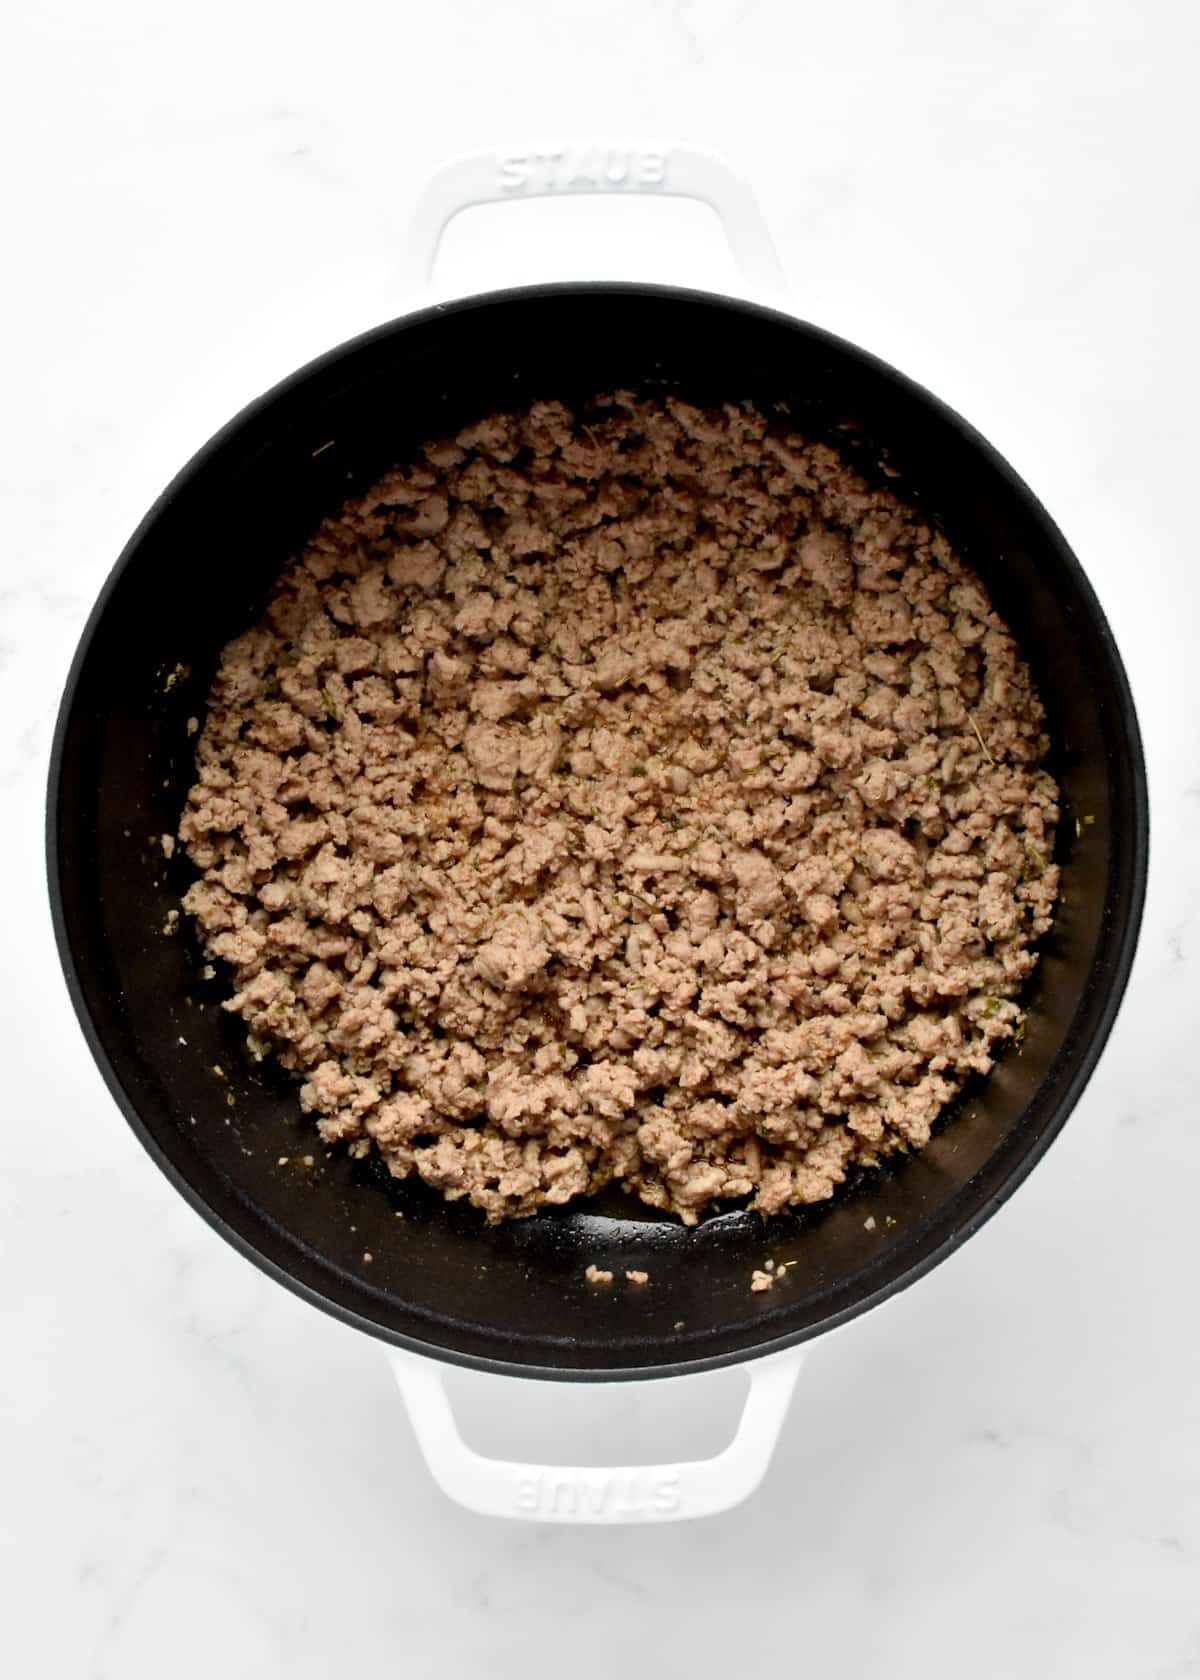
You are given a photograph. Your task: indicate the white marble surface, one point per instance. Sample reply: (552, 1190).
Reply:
(999, 1475)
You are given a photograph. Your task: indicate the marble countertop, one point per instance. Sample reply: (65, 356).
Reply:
(998, 1475)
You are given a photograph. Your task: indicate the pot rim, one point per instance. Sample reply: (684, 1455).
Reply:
(1117, 969)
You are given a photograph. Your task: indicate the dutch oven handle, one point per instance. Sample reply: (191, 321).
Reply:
(599, 1494)
(551, 168)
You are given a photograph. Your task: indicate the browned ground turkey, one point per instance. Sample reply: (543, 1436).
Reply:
(647, 799)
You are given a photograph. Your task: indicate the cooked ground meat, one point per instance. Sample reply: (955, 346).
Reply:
(647, 799)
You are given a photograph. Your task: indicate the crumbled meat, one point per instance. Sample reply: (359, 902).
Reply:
(637, 1277)
(594, 1275)
(649, 800)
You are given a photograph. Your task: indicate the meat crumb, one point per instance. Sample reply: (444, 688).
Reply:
(638, 1277)
(594, 1275)
(869, 1224)
(759, 1281)
(661, 804)
(167, 842)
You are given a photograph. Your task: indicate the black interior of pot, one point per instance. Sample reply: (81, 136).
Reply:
(514, 1296)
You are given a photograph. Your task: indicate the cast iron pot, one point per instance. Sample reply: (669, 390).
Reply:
(513, 1299)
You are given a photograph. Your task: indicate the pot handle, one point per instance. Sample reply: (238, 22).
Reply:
(550, 168)
(602, 1494)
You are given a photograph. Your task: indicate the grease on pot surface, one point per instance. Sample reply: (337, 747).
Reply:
(648, 799)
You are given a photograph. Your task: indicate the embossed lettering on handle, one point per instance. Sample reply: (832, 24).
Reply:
(595, 167)
(555, 168)
(593, 1496)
